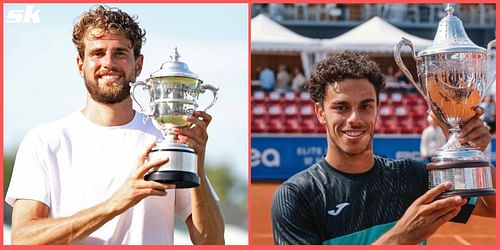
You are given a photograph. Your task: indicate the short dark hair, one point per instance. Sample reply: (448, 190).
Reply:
(112, 20)
(348, 65)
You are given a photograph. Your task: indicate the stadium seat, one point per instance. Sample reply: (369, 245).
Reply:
(396, 98)
(413, 99)
(290, 98)
(275, 111)
(419, 110)
(407, 126)
(291, 111)
(275, 126)
(383, 99)
(259, 126)
(386, 111)
(308, 125)
(259, 111)
(379, 127)
(305, 98)
(390, 126)
(292, 126)
(259, 97)
(274, 97)
(402, 113)
(320, 128)
(307, 111)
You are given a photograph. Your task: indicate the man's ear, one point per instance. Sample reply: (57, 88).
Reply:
(138, 65)
(79, 63)
(320, 113)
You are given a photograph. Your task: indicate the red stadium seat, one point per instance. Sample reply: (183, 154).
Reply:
(292, 126)
(305, 98)
(259, 126)
(290, 98)
(385, 112)
(420, 110)
(275, 126)
(390, 126)
(275, 111)
(383, 98)
(407, 126)
(396, 98)
(402, 113)
(259, 98)
(291, 111)
(308, 125)
(321, 129)
(307, 111)
(379, 127)
(412, 99)
(274, 98)
(259, 111)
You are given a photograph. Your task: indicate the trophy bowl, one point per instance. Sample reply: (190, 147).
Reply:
(453, 80)
(173, 94)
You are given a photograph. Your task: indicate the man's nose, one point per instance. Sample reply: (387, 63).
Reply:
(354, 116)
(107, 60)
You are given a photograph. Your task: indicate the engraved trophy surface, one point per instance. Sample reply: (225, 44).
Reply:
(452, 76)
(173, 91)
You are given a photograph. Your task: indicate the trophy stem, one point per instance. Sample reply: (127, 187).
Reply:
(452, 143)
(167, 134)
(453, 151)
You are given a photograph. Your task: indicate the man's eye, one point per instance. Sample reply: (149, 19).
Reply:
(121, 53)
(340, 108)
(97, 54)
(366, 107)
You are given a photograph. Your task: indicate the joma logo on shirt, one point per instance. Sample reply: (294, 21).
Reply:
(339, 207)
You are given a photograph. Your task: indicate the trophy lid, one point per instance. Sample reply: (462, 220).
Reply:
(451, 37)
(174, 68)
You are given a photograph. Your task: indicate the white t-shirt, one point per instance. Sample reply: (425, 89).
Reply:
(431, 140)
(73, 164)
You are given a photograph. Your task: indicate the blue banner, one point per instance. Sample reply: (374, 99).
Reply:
(279, 157)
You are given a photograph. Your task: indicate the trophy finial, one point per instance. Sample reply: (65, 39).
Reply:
(449, 10)
(176, 55)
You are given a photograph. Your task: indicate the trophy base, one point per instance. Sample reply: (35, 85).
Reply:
(468, 178)
(181, 179)
(467, 193)
(181, 168)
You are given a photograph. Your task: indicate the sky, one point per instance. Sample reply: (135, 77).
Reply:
(42, 84)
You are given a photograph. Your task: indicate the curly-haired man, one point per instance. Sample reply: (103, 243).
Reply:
(352, 196)
(80, 180)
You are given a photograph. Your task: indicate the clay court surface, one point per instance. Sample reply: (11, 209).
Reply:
(478, 231)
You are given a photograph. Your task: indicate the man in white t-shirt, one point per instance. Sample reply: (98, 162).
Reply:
(80, 180)
(432, 139)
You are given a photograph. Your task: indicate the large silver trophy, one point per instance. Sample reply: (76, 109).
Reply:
(452, 77)
(173, 92)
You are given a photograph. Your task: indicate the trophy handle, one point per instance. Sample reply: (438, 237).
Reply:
(491, 45)
(145, 86)
(397, 56)
(214, 90)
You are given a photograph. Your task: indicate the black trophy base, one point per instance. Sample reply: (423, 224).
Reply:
(467, 193)
(181, 179)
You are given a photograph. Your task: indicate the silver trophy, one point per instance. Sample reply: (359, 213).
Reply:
(452, 77)
(173, 92)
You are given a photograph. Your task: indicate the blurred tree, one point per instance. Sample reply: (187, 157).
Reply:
(232, 192)
(8, 164)
(222, 181)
